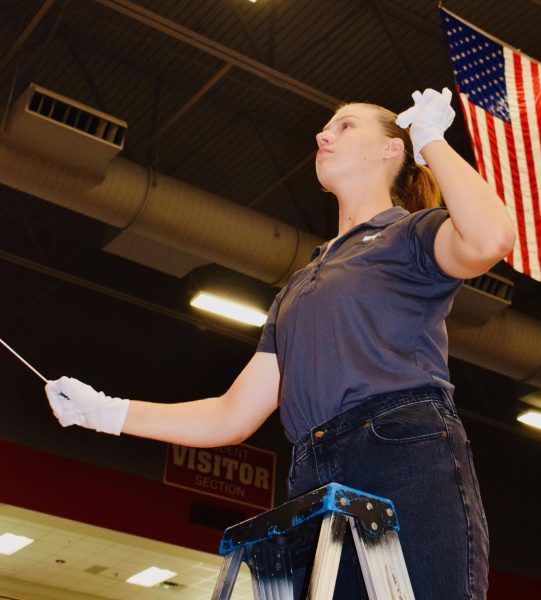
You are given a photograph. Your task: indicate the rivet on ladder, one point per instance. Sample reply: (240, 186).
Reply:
(369, 506)
(343, 501)
(374, 526)
(389, 512)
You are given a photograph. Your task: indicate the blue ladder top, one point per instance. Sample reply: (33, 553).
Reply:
(375, 514)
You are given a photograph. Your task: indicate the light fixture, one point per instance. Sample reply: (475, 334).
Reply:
(531, 418)
(11, 543)
(229, 309)
(151, 576)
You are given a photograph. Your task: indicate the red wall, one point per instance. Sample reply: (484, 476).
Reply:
(63, 487)
(503, 586)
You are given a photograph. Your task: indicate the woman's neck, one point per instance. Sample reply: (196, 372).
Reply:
(354, 211)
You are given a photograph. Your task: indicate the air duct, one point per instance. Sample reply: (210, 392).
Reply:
(167, 211)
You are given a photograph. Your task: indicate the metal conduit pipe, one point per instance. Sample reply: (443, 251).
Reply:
(166, 210)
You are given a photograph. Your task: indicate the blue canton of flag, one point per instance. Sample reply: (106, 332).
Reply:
(478, 63)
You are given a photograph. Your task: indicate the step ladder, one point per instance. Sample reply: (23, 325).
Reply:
(279, 547)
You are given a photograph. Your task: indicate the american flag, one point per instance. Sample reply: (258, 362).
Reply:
(500, 95)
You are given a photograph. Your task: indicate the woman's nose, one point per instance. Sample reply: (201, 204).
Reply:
(322, 138)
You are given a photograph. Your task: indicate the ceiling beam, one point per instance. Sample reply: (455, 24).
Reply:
(175, 79)
(375, 4)
(307, 220)
(232, 57)
(166, 127)
(409, 17)
(26, 33)
(310, 159)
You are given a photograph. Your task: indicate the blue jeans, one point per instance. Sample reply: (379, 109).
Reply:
(409, 446)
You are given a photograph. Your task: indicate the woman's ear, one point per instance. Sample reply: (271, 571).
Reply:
(394, 147)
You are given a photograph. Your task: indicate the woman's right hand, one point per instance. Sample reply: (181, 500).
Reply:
(76, 403)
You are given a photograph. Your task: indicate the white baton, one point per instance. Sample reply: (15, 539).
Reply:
(23, 361)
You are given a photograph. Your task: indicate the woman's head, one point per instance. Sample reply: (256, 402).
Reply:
(364, 140)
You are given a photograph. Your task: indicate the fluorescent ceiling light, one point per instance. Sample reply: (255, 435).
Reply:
(531, 418)
(10, 543)
(229, 309)
(151, 576)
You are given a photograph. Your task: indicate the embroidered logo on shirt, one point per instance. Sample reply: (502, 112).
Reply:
(367, 238)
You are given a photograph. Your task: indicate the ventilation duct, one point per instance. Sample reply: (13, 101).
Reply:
(65, 131)
(133, 198)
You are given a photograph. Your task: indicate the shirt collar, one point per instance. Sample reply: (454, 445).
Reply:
(387, 217)
(382, 219)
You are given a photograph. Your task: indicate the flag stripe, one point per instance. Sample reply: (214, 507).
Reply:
(477, 138)
(534, 220)
(495, 154)
(514, 181)
(536, 95)
(531, 110)
(484, 140)
(464, 103)
(522, 151)
(515, 258)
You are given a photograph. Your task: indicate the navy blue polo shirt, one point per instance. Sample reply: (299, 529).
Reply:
(364, 318)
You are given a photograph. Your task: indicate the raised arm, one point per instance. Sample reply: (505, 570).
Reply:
(224, 420)
(479, 232)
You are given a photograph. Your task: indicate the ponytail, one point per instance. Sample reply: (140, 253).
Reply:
(414, 187)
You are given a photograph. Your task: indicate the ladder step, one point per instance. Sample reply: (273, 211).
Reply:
(374, 513)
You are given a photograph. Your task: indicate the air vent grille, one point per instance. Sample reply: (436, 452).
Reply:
(76, 117)
(493, 285)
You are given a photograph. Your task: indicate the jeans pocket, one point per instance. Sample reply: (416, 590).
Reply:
(414, 422)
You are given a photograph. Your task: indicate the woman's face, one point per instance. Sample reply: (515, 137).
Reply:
(352, 143)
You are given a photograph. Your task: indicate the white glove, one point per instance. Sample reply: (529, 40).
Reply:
(75, 403)
(427, 119)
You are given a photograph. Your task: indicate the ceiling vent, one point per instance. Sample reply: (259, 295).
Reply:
(482, 297)
(65, 131)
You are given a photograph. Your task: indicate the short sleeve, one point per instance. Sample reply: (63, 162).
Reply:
(267, 341)
(422, 230)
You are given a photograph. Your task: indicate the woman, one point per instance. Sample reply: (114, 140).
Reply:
(354, 349)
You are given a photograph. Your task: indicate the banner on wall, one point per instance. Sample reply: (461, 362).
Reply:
(241, 474)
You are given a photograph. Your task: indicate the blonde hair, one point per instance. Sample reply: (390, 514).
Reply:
(413, 186)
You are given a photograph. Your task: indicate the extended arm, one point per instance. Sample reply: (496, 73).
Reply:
(220, 421)
(224, 420)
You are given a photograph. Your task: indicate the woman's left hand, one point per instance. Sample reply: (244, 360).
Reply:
(427, 119)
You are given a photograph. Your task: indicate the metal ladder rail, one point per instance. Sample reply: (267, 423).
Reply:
(374, 528)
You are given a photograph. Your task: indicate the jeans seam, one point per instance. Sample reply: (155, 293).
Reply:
(467, 518)
(316, 463)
